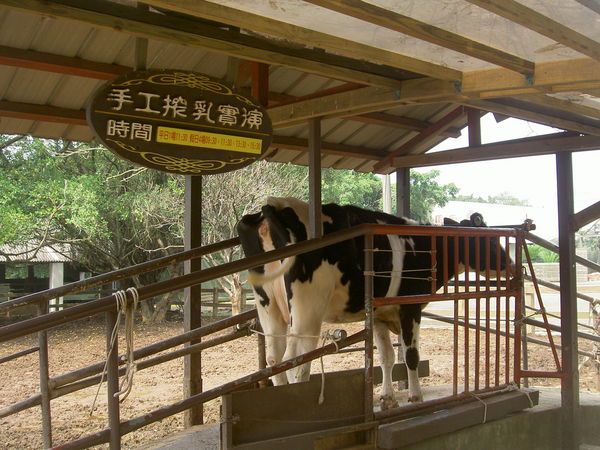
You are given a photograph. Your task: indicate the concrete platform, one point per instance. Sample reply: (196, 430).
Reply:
(534, 429)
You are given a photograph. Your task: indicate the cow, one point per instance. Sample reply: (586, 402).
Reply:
(296, 295)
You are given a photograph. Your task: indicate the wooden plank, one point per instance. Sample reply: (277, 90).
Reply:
(407, 123)
(295, 411)
(45, 113)
(518, 13)
(564, 105)
(594, 5)
(508, 149)
(328, 148)
(521, 111)
(585, 216)
(409, 147)
(284, 30)
(113, 16)
(558, 76)
(426, 32)
(418, 429)
(29, 59)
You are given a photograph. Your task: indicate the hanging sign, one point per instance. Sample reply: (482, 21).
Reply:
(180, 122)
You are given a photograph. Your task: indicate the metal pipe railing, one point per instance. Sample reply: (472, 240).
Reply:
(116, 275)
(154, 416)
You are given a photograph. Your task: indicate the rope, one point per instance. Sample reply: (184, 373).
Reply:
(485, 407)
(127, 383)
(519, 322)
(131, 368)
(328, 336)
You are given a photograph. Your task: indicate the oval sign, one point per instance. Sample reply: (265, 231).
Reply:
(180, 122)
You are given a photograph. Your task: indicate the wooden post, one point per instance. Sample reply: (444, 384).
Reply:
(193, 296)
(215, 303)
(474, 122)
(44, 377)
(314, 173)
(568, 302)
(403, 192)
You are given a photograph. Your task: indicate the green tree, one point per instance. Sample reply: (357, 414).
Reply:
(426, 193)
(348, 187)
(112, 214)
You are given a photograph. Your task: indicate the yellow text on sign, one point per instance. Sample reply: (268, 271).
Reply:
(191, 138)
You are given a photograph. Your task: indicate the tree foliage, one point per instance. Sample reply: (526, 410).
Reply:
(114, 214)
(426, 194)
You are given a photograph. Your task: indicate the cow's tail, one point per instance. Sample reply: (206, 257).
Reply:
(258, 279)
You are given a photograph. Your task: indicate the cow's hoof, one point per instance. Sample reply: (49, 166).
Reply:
(415, 399)
(388, 402)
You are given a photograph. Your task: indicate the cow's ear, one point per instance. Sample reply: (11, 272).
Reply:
(448, 221)
(477, 220)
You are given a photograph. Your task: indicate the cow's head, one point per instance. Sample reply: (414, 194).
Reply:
(478, 247)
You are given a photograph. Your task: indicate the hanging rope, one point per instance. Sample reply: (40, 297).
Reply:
(131, 368)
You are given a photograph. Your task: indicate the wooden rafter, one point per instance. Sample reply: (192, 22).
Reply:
(433, 130)
(283, 30)
(328, 148)
(545, 145)
(408, 123)
(193, 33)
(518, 13)
(426, 32)
(594, 5)
(557, 76)
(562, 104)
(47, 62)
(42, 113)
(522, 112)
(585, 216)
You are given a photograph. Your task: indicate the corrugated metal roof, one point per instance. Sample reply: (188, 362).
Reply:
(34, 254)
(30, 26)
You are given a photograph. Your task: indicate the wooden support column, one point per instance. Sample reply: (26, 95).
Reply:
(260, 83)
(474, 123)
(314, 174)
(192, 381)
(403, 192)
(260, 91)
(568, 303)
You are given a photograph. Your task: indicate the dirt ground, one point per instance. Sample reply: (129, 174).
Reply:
(83, 343)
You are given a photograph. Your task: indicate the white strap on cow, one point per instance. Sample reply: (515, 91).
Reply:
(129, 308)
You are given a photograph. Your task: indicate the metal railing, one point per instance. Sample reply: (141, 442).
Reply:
(63, 384)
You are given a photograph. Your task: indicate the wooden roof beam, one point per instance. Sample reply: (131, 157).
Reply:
(518, 13)
(585, 216)
(199, 34)
(433, 130)
(562, 104)
(47, 62)
(375, 118)
(328, 148)
(283, 30)
(43, 113)
(538, 145)
(426, 32)
(522, 112)
(559, 76)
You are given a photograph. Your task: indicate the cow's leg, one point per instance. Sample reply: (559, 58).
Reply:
(385, 349)
(410, 319)
(303, 338)
(275, 330)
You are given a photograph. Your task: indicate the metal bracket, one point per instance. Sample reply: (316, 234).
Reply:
(457, 86)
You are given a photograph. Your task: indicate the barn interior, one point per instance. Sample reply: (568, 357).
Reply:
(349, 84)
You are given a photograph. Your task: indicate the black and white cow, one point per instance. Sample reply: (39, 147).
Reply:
(298, 294)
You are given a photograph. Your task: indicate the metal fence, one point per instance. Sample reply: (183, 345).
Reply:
(484, 360)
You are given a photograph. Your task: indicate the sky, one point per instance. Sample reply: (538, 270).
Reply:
(528, 178)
